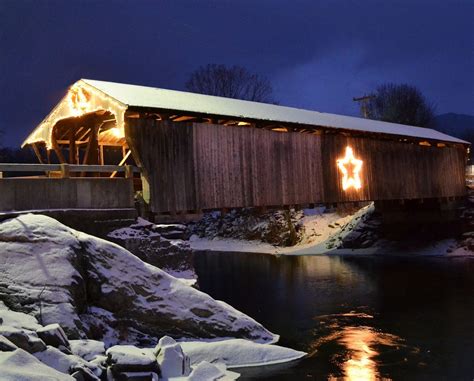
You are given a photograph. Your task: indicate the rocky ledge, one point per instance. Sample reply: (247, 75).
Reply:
(98, 290)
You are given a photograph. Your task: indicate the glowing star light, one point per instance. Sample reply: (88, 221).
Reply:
(350, 168)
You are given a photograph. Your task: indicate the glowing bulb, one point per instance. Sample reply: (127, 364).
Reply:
(78, 100)
(117, 132)
(350, 164)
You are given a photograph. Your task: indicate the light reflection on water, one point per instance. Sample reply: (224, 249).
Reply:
(361, 365)
(359, 345)
(368, 318)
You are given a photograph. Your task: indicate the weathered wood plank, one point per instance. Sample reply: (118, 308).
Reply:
(193, 166)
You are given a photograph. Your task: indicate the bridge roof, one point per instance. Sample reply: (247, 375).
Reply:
(118, 97)
(151, 97)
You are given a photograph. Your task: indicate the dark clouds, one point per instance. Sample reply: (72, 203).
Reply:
(318, 54)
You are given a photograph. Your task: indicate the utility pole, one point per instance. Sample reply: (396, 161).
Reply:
(364, 102)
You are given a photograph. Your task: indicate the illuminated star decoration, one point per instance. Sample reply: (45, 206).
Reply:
(350, 168)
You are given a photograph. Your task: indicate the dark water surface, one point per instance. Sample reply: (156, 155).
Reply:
(360, 318)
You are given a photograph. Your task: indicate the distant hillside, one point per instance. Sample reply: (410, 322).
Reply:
(458, 125)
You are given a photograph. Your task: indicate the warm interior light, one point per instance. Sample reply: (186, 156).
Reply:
(117, 132)
(350, 168)
(78, 100)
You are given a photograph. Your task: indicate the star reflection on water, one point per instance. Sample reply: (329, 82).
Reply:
(359, 346)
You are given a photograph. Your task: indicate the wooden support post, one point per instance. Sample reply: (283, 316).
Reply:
(122, 162)
(37, 153)
(72, 146)
(56, 147)
(92, 152)
(101, 155)
(128, 172)
(65, 172)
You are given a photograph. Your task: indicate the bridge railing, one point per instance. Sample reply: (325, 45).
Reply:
(67, 187)
(64, 170)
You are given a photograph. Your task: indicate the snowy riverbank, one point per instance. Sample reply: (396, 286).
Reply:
(346, 234)
(322, 232)
(104, 306)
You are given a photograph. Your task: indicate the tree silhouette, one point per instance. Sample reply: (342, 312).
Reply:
(404, 104)
(230, 82)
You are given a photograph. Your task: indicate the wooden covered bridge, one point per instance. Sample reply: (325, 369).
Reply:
(199, 152)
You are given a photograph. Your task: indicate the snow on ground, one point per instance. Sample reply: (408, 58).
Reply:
(322, 230)
(323, 233)
(237, 353)
(229, 244)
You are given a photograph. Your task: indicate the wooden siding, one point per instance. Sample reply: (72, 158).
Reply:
(244, 166)
(164, 151)
(394, 170)
(193, 166)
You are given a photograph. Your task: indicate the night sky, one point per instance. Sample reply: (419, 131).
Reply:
(317, 54)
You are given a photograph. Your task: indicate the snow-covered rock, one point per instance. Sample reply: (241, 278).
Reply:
(6, 345)
(53, 335)
(19, 365)
(128, 358)
(171, 359)
(276, 227)
(65, 363)
(211, 372)
(69, 273)
(159, 245)
(87, 349)
(238, 353)
(23, 338)
(17, 319)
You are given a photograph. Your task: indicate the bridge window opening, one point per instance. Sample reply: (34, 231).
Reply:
(90, 139)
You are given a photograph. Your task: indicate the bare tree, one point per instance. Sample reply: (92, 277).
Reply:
(230, 82)
(404, 104)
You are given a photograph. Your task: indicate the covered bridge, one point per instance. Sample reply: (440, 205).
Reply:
(199, 152)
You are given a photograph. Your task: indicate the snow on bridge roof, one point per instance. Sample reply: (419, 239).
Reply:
(142, 96)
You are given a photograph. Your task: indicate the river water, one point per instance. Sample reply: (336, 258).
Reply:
(360, 318)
